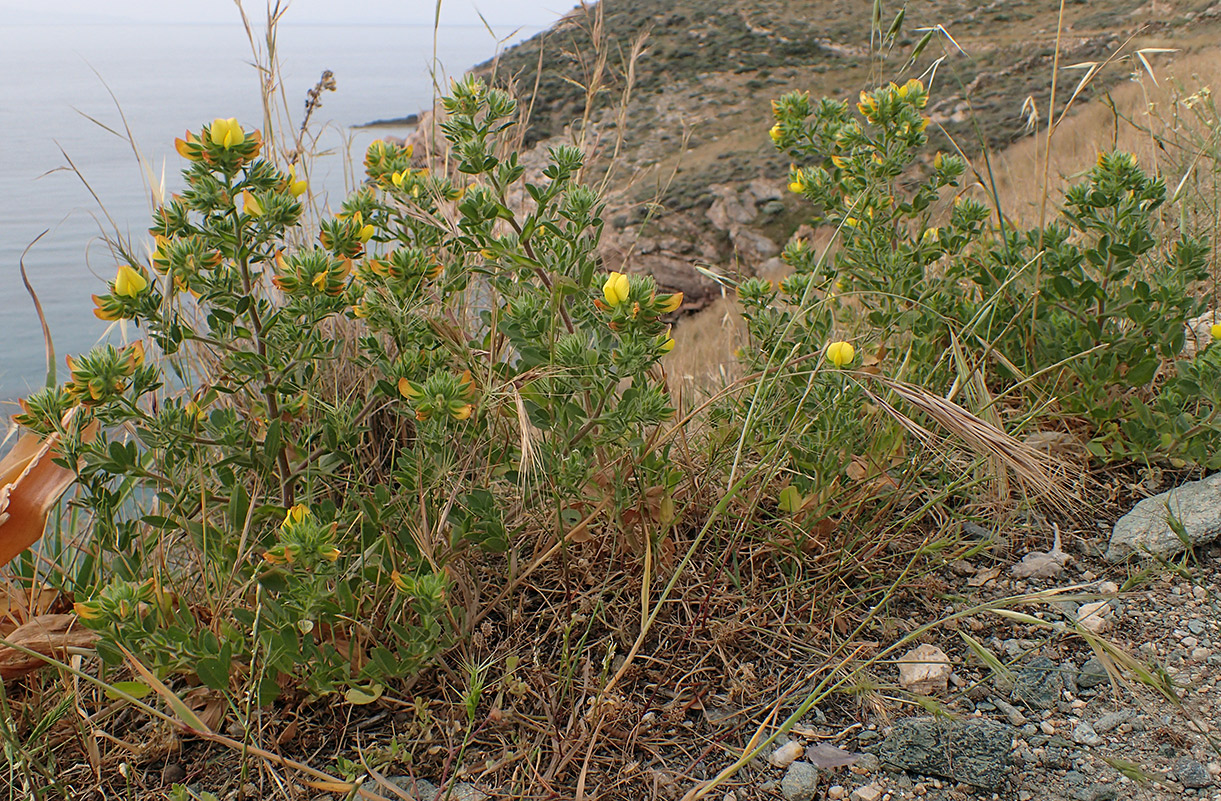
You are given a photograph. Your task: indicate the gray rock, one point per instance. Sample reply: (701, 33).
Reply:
(1074, 778)
(976, 751)
(1146, 530)
(752, 245)
(421, 789)
(1097, 792)
(1196, 626)
(1068, 672)
(1112, 720)
(463, 791)
(1038, 684)
(1084, 734)
(1092, 673)
(800, 782)
(1191, 773)
(869, 763)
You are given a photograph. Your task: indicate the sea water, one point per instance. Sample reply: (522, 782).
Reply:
(69, 94)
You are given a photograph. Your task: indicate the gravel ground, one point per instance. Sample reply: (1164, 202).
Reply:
(1071, 733)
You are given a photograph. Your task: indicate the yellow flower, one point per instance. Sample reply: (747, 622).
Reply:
(129, 282)
(296, 514)
(331, 554)
(193, 411)
(251, 205)
(360, 310)
(135, 355)
(670, 303)
(460, 411)
(366, 230)
(226, 133)
(398, 178)
(776, 133)
(615, 290)
(840, 353)
(407, 389)
(295, 186)
(1216, 332)
(668, 345)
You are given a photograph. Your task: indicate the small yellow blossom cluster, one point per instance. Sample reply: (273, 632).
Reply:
(442, 394)
(223, 145)
(636, 306)
(346, 235)
(314, 269)
(303, 541)
(103, 373)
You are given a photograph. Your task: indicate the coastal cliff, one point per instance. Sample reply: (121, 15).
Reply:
(672, 101)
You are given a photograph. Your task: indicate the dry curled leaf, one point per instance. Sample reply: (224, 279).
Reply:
(825, 756)
(48, 635)
(30, 486)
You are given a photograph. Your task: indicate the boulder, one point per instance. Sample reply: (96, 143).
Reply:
(974, 751)
(1146, 529)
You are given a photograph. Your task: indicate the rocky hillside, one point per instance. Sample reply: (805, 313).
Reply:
(682, 90)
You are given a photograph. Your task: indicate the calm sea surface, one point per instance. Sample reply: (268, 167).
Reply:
(165, 79)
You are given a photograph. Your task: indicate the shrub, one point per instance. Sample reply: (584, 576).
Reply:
(241, 530)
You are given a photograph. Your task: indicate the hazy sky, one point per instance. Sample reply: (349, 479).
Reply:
(533, 13)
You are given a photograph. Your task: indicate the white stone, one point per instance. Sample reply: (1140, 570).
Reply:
(924, 670)
(786, 754)
(1095, 617)
(836, 791)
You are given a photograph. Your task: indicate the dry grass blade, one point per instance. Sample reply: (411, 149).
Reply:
(42, 318)
(1036, 472)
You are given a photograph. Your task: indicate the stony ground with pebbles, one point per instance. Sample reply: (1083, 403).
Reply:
(1060, 726)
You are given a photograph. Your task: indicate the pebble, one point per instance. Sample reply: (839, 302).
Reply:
(1196, 626)
(1084, 734)
(1047, 727)
(800, 782)
(868, 763)
(1191, 774)
(1092, 673)
(836, 791)
(1112, 720)
(1038, 684)
(1097, 792)
(870, 792)
(786, 754)
(1095, 616)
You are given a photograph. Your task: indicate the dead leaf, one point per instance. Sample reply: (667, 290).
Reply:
(825, 756)
(19, 605)
(983, 577)
(30, 486)
(1037, 564)
(208, 704)
(49, 635)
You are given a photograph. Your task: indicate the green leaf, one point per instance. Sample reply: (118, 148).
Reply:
(136, 689)
(214, 671)
(360, 696)
(791, 500)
